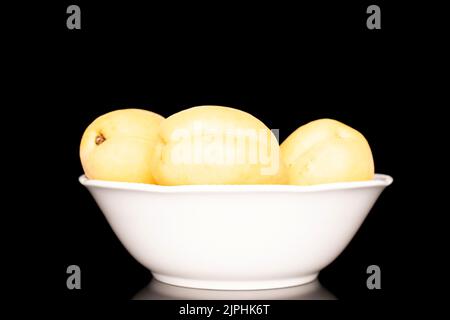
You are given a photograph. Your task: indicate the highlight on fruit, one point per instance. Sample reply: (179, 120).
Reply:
(220, 145)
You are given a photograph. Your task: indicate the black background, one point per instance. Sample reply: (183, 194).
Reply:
(285, 64)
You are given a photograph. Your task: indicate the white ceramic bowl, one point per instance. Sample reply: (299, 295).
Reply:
(236, 237)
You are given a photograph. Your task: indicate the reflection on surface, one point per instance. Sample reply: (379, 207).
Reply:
(157, 290)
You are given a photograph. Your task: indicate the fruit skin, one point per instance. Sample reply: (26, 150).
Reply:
(120, 145)
(326, 151)
(196, 156)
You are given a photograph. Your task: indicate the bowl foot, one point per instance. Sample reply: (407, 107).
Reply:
(236, 285)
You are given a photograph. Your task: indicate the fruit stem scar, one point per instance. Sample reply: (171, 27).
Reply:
(99, 139)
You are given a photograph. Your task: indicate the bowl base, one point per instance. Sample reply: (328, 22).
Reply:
(235, 285)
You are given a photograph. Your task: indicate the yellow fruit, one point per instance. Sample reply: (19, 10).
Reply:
(119, 146)
(325, 151)
(217, 145)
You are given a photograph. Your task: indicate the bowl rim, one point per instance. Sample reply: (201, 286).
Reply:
(379, 180)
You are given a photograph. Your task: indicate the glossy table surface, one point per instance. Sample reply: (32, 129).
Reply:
(157, 290)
